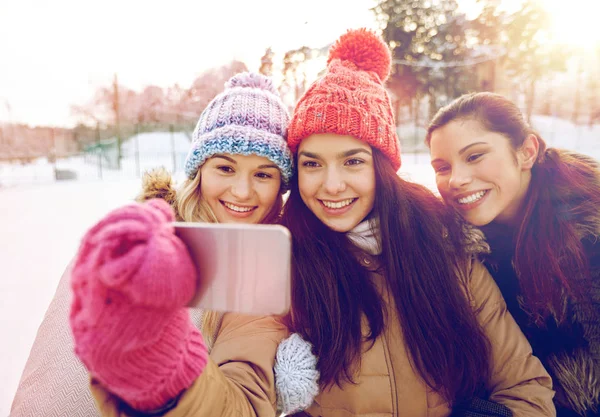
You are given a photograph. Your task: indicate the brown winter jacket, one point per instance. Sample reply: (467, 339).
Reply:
(387, 384)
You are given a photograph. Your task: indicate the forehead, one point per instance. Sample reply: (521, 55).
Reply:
(457, 134)
(329, 143)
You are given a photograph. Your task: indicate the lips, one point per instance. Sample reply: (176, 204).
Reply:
(339, 207)
(237, 208)
(338, 204)
(471, 198)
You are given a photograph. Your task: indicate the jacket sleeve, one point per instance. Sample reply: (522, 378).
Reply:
(518, 379)
(238, 380)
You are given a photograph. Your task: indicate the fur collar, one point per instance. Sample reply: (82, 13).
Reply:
(474, 242)
(587, 224)
(158, 183)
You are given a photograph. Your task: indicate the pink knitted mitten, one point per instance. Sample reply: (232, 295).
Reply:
(131, 280)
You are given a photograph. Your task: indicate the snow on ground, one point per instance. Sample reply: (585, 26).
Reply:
(42, 222)
(558, 133)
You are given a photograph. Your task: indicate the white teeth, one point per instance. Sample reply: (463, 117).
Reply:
(337, 204)
(472, 198)
(237, 208)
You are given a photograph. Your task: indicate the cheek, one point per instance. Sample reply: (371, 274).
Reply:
(499, 166)
(492, 168)
(441, 184)
(205, 187)
(366, 183)
(268, 193)
(305, 189)
(307, 184)
(505, 176)
(209, 188)
(370, 192)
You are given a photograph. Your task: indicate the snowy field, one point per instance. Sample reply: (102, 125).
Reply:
(42, 221)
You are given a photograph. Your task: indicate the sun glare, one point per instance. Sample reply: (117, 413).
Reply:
(575, 22)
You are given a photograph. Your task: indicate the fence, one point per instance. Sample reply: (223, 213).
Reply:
(99, 161)
(169, 149)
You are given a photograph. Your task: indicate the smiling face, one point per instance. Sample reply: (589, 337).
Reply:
(240, 188)
(479, 173)
(336, 179)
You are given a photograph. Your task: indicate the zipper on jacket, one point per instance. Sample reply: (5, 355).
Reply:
(392, 373)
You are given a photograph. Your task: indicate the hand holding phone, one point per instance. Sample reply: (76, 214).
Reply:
(242, 268)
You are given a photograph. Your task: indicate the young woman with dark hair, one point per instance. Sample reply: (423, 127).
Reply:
(402, 318)
(539, 209)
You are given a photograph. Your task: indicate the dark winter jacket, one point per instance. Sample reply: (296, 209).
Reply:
(570, 351)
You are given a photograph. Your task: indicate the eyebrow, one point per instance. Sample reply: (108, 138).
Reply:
(463, 150)
(340, 155)
(460, 152)
(225, 158)
(268, 166)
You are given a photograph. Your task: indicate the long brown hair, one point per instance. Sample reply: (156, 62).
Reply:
(564, 186)
(332, 292)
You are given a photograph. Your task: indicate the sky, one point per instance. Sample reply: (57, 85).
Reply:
(55, 53)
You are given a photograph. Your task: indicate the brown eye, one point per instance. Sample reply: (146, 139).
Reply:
(263, 175)
(474, 157)
(310, 164)
(226, 169)
(354, 161)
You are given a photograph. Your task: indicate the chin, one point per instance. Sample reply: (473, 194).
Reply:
(340, 227)
(478, 221)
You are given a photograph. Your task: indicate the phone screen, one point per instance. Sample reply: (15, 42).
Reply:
(242, 268)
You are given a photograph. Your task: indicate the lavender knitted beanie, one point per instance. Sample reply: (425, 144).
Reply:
(247, 118)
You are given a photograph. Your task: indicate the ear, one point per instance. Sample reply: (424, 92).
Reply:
(528, 152)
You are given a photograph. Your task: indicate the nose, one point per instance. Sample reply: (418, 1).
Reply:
(241, 188)
(459, 178)
(334, 183)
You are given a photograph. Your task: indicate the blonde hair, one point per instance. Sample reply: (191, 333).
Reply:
(191, 207)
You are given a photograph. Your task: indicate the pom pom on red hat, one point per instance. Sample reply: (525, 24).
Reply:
(365, 49)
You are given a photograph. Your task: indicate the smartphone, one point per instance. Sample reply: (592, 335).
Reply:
(243, 268)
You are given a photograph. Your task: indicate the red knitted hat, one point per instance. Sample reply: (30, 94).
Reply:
(350, 98)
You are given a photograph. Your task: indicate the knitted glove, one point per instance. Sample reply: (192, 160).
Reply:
(131, 279)
(477, 407)
(296, 375)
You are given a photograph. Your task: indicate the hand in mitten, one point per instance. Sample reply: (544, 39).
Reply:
(132, 279)
(296, 375)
